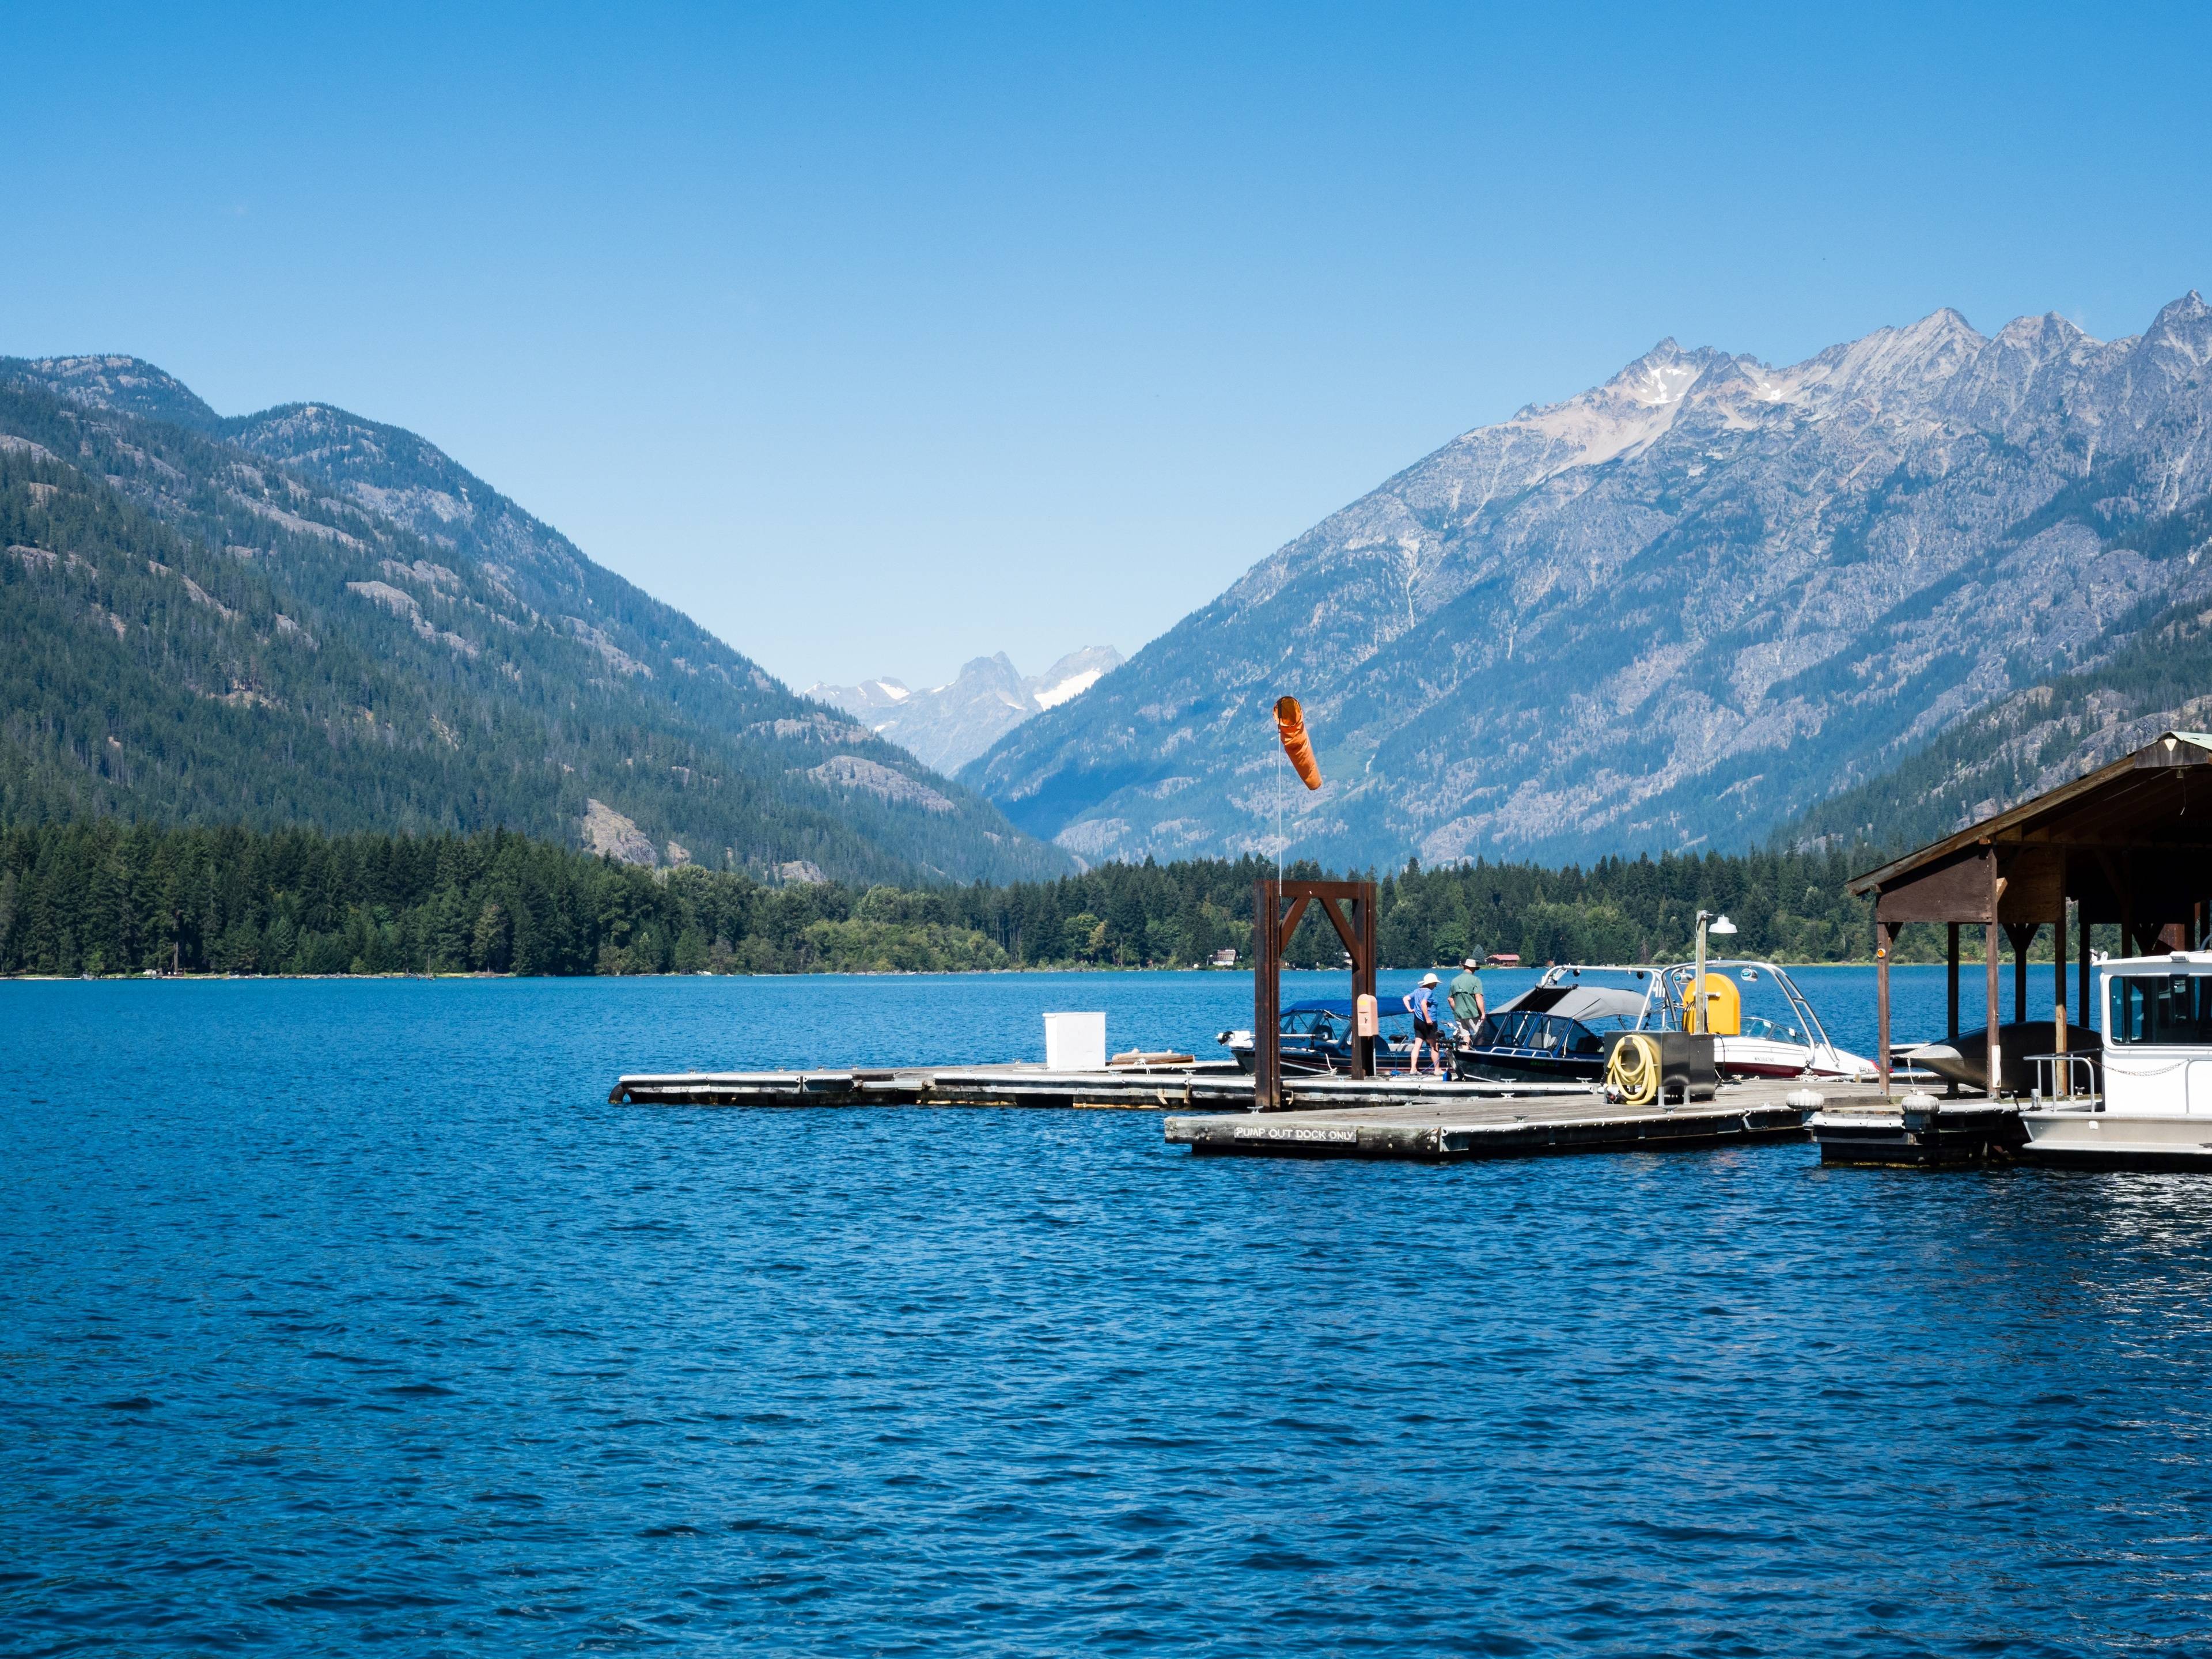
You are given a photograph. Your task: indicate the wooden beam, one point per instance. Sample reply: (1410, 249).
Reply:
(1363, 973)
(2082, 987)
(1951, 956)
(1266, 998)
(1272, 931)
(2065, 1082)
(1343, 932)
(1990, 952)
(2021, 935)
(1882, 935)
(2133, 784)
(1955, 891)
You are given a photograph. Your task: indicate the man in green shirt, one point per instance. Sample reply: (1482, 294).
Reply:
(1465, 996)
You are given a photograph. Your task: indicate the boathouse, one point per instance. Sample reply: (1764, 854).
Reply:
(2127, 844)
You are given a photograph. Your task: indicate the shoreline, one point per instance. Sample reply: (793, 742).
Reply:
(857, 972)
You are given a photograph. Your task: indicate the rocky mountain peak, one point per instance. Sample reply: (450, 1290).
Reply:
(130, 385)
(2180, 336)
(1669, 610)
(945, 726)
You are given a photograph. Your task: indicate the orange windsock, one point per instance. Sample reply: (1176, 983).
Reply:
(1291, 721)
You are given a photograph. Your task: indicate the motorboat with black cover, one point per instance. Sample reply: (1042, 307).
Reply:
(1551, 1033)
(1315, 1037)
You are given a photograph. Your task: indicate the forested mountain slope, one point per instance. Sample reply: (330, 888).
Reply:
(1676, 611)
(2158, 680)
(303, 618)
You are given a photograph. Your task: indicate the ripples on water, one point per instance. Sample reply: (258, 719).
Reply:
(341, 1315)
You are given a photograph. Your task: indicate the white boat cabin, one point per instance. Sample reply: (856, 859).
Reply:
(2158, 1034)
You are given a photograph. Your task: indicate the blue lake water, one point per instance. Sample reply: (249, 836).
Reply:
(348, 1316)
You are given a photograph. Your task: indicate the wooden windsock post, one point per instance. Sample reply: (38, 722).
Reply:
(1271, 928)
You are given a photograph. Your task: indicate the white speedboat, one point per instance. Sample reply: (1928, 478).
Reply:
(2156, 1106)
(1789, 1041)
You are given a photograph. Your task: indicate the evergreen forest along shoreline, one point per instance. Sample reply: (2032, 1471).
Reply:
(102, 896)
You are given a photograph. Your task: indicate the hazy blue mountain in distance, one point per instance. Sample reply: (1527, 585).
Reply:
(1676, 611)
(304, 616)
(946, 727)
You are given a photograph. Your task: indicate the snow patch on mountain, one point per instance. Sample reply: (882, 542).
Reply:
(945, 726)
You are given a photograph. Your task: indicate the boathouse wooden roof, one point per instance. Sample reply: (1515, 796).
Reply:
(2127, 840)
(2127, 843)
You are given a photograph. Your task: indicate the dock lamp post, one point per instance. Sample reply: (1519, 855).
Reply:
(1721, 927)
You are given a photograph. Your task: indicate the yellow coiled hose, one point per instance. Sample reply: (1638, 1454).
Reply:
(1632, 1076)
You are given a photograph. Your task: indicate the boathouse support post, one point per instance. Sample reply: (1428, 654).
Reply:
(1989, 932)
(1991, 954)
(1951, 997)
(2081, 979)
(1882, 934)
(2063, 1082)
(1951, 956)
(2022, 937)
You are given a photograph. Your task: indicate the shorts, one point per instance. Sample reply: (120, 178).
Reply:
(1423, 1032)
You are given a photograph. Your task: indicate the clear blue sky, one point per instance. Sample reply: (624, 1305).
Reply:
(881, 337)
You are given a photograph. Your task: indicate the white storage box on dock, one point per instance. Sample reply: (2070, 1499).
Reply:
(1075, 1042)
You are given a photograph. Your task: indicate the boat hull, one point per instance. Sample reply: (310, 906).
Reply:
(1741, 1056)
(2119, 1140)
(1481, 1066)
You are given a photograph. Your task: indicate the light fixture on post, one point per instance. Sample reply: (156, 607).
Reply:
(1721, 927)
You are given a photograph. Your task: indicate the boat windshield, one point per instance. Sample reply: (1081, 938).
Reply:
(1769, 1004)
(2161, 1008)
(1543, 1034)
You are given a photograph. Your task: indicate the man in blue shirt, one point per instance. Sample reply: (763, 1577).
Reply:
(1421, 1003)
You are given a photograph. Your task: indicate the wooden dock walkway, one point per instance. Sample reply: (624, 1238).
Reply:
(1213, 1086)
(1387, 1118)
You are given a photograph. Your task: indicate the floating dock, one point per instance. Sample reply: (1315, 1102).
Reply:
(1918, 1131)
(1437, 1128)
(1396, 1118)
(1211, 1086)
